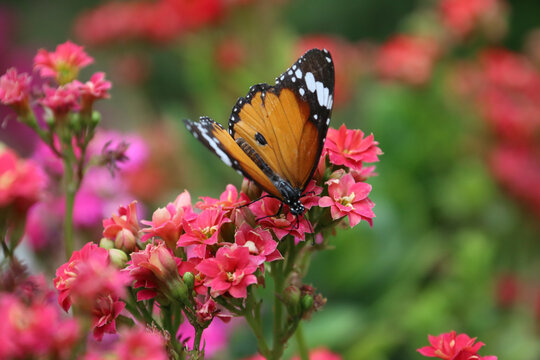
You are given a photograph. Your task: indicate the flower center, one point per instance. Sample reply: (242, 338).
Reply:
(347, 200)
(209, 231)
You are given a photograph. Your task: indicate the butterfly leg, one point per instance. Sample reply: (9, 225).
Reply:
(267, 216)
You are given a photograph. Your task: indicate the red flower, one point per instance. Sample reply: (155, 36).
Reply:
(119, 227)
(14, 90)
(35, 331)
(61, 100)
(282, 224)
(321, 354)
(167, 223)
(407, 58)
(230, 271)
(155, 269)
(259, 242)
(106, 310)
(349, 198)
(94, 89)
(350, 148)
(203, 230)
(21, 182)
(87, 276)
(450, 346)
(63, 64)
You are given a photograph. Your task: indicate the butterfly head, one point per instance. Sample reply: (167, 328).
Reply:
(297, 208)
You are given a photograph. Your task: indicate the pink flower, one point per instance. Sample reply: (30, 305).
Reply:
(215, 336)
(449, 346)
(407, 58)
(167, 222)
(310, 197)
(203, 230)
(154, 269)
(21, 182)
(191, 266)
(349, 198)
(259, 242)
(463, 16)
(27, 330)
(232, 271)
(228, 200)
(282, 224)
(123, 226)
(105, 311)
(94, 89)
(87, 275)
(63, 64)
(141, 344)
(14, 90)
(61, 100)
(350, 148)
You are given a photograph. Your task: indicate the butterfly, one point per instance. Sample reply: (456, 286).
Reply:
(276, 133)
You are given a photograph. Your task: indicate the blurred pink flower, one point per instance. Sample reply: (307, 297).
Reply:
(61, 100)
(349, 198)
(154, 269)
(450, 346)
(14, 90)
(282, 224)
(230, 271)
(215, 336)
(27, 330)
(461, 17)
(350, 148)
(94, 89)
(21, 182)
(63, 64)
(140, 344)
(320, 354)
(407, 58)
(203, 230)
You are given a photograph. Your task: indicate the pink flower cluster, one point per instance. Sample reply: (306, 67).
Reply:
(451, 346)
(35, 330)
(90, 282)
(21, 182)
(68, 94)
(157, 21)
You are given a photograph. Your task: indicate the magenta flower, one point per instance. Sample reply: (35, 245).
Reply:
(167, 222)
(259, 242)
(350, 148)
(282, 224)
(105, 311)
(450, 346)
(14, 90)
(154, 269)
(61, 100)
(215, 336)
(63, 64)
(349, 198)
(21, 182)
(27, 330)
(87, 276)
(231, 271)
(203, 230)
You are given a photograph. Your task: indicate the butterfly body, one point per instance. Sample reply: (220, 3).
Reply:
(276, 133)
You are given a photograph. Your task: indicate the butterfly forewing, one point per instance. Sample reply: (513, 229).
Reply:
(286, 124)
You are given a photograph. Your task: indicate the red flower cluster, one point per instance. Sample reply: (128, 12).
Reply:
(155, 21)
(451, 346)
(407, 58)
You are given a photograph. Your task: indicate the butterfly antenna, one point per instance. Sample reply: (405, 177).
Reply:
(254, 201)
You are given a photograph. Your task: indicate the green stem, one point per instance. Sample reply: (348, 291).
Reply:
(277, 274)
(301, 342)
(254, 321)
(68, 216)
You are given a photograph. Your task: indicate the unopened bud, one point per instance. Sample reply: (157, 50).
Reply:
(189, 280)
(125, 240)
(179, 291)
(96, 119)
(307, 302)
(106, 243)
(291, 296)
(118, 258)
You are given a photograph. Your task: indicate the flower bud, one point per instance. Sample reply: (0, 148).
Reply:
(179, 291)
(307, 302)
(189, 280)
(118, 258)
(125, 240)
(106, 243)
(96, 119)
(291, 297)
(251, 189)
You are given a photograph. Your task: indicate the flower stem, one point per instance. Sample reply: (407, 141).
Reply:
(277, 274)
(68, 216)
(301, 342)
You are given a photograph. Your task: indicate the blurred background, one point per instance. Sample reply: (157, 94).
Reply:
(449, 88)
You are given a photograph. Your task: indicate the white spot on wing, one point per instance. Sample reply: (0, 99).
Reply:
(328, 59)
(298, 73)
(289, 72)
(310, 82)
(293, 79)
(315, 116)
(320, 93)
(301, 91)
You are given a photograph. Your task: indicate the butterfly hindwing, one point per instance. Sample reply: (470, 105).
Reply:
(216, 138)
(287, 123)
